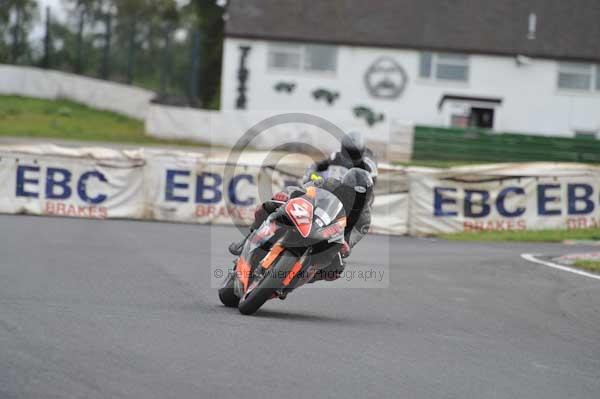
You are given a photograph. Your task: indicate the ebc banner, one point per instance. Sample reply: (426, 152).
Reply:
(41, 184)
(188, 188)
(517, 197)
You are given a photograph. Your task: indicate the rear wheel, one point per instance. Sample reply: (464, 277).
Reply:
(261, 291)
(227, 293)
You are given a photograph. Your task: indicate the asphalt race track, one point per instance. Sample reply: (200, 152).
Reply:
(122, 309)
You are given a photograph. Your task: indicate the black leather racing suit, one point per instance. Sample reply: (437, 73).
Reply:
(358, 213)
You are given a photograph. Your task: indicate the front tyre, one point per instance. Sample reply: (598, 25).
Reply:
(268, 284)
(227, 293)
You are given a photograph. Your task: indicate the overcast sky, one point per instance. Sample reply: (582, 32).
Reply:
(57, 11)
(56, 7)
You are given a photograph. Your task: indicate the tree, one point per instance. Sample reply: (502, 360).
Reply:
(157, 44)
(4, 19)
(16, 20)
(85, 10)
(210, 23)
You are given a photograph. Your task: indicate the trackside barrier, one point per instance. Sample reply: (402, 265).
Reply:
(392, 140)
(481, 145)
(530, 196)
(90, 183)
(40, 83)
(177, 186)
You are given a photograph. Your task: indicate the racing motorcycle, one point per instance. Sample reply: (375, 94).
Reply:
(303, 236)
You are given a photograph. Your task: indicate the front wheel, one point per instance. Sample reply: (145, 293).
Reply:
(260, 292)
(227, 292)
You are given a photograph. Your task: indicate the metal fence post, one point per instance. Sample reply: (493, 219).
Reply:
(15, 34)
(131, 51)
(166, 62)
(46, 59)
(194, 78)
(105, 64)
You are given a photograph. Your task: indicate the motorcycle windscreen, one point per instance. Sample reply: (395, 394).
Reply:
(327, 208)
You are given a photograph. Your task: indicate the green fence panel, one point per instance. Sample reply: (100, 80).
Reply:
(433, 143)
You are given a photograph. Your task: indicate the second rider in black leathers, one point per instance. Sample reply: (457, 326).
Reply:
(352, 154)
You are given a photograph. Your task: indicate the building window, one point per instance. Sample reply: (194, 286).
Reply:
(444, 66)
(582, 77)
(309, 57)
(285, 57)
(576, 76)
(320, 58)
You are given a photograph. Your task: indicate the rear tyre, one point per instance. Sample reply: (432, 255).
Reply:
(227, 294)
(266, 287)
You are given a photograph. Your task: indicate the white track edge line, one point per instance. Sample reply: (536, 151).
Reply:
(532, 258)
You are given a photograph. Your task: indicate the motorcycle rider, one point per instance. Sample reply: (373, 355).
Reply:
(355, 192)
(353, 154)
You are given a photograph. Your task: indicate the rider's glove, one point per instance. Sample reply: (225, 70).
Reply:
(345, 250)
(281, 196)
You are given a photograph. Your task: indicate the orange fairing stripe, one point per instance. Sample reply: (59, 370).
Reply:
(295, 269)
(311, 192)
(243, 272)
(271, 256)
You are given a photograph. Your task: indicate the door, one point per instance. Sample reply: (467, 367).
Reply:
(482, 118)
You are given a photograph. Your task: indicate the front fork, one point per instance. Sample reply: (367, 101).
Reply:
(296, 278)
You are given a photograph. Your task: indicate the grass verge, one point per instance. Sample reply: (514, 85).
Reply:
(589, 265)
(67, 120)
(526, 236)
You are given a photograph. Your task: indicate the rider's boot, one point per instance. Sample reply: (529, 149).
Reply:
(235, 248)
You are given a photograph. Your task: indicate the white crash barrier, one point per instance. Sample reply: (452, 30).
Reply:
(40, 83)
(228, 128)
(91, 183)
(201, 189)
(530, 196)
(195, 188)
(391, 140)
(221, 189)
(166, 185)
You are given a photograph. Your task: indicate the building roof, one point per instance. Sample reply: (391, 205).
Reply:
(565, 29)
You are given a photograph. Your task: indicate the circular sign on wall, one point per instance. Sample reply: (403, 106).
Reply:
(386, 79)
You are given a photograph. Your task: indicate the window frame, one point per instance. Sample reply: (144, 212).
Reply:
(305, 56)
(434, 63)
(594, 86)
(571, 68)
(287, 48)
(302, 51)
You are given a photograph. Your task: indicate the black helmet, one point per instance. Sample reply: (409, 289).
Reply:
(357, 186)
(353, 145)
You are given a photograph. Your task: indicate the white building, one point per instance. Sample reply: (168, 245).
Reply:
(531, 66)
